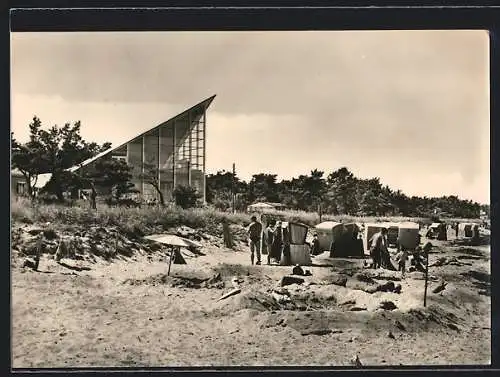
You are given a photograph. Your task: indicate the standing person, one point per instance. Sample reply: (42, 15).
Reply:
(378, 247)
(285, 251)
(254, 233)
(268, 240)
(277, 241)
(401, 258)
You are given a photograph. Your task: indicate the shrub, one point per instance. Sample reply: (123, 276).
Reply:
(186, 196)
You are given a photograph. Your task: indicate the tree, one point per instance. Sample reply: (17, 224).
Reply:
(373, 198)
(263, 187)
(186, 196)
(341, 186)
(151, 174)
(28, 158)
(313, 189)
(112, 174)
(340, 193)
(219, 190)
(54, 151)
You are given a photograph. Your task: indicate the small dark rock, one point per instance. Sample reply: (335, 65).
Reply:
(35, 231)
(388, 305)
(364, 278)
(357, 309)
(397, 288)
(400, 326)
(348, 302)
(50, 234)
(440, 287)
(391, 335)
(316, 332)
(386, 287)
(287, 280)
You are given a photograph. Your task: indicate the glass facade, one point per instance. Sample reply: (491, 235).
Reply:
(168, 155)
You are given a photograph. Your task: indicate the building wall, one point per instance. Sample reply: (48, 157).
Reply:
(134, 158)
(18, 185)
(176, 150)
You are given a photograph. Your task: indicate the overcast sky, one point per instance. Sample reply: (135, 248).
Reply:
(411, 107)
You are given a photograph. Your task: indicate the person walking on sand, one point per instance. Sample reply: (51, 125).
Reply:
(254, 233)
(268, 240)
(378, 247)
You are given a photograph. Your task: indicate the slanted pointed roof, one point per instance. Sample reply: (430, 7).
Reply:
(202, 105)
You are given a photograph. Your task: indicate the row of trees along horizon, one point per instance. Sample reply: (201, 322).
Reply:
(56, 149)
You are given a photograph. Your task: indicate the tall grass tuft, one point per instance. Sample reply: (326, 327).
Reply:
(135, 220)
(146, 219)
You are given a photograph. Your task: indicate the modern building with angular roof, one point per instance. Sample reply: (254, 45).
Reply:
(175, 149)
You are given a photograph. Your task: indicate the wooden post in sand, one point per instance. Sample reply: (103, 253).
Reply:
(226, 231)
(426, 276)
(233, 189)
(172, 253)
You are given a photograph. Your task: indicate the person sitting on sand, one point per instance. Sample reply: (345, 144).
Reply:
(315, 245)
(254, 232)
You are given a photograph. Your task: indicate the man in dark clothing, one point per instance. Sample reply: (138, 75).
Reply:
(277, 241)
(254, 234)
(286, 246)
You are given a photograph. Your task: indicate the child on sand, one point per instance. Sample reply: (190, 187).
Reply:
(402, 257)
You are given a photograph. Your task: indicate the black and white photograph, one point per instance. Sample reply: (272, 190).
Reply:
(250, 198)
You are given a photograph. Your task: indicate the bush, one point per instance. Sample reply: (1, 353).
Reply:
(186, 196)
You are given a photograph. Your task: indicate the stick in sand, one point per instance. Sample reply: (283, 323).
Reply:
(229, 294)
(172, 253)
(427, 247)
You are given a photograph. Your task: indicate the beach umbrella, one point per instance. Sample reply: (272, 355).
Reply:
(172, 240)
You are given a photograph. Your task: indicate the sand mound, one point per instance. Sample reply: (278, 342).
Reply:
(248, 299)
(434, 315)
(226, 270)
(318, 322)
(291, 298)
(478, 275)
(181, 280)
